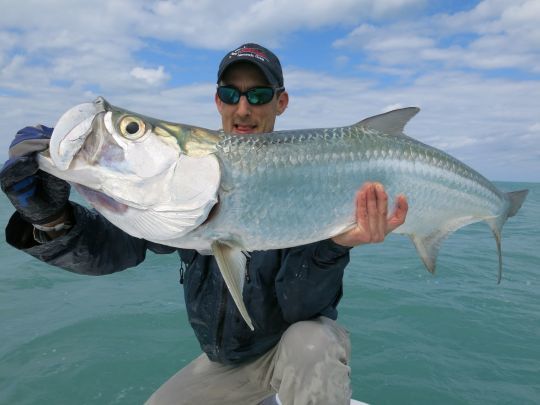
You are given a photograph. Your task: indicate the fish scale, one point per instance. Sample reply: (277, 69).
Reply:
(270, 167)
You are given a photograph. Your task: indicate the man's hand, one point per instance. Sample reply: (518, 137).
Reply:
(38, 196)
(372, 220)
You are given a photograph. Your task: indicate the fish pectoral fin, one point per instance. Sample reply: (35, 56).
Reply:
(391, 122)
(232, 264)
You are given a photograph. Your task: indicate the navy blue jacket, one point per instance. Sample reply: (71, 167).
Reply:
(281, 286)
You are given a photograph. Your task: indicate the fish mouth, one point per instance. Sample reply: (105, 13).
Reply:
(71, 131)
(101, 201)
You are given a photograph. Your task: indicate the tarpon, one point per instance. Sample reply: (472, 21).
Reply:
(195, 188)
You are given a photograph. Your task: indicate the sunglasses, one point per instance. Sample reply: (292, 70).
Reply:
(255, 95)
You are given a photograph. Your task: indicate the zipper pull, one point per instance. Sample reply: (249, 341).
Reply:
(182, 268)
(248, 259)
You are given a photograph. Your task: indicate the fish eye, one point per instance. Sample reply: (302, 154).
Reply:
(132, 127)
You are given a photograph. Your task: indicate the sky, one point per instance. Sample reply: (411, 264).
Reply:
(473, 67)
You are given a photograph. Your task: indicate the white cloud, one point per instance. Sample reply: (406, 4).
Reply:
(342, 61)
(87, 49)
(205, 23)
(392, 107)
(95, 45)
(535, 128)
(493, 35)
(219, 25)
(150, 76)
(375, 39)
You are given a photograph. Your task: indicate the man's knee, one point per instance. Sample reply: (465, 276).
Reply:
(316, 340)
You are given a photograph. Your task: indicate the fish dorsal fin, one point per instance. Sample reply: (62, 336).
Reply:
(391, 122)
(232, 264)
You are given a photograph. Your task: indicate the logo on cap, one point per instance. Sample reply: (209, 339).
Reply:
(250, 52)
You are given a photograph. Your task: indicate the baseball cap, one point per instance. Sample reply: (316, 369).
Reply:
(263, 58)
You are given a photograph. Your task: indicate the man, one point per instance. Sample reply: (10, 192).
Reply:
(297, 350)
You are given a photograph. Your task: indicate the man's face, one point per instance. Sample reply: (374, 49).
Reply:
(244, 118)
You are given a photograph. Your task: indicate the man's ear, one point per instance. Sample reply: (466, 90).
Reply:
(283, 102)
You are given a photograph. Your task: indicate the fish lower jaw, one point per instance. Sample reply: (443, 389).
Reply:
(101, 201)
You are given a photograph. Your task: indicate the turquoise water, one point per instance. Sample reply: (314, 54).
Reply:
(453, 338)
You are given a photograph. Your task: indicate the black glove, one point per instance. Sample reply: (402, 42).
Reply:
(39, 197)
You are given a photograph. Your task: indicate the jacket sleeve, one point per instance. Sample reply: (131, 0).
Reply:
(93, 246)
(310, 280)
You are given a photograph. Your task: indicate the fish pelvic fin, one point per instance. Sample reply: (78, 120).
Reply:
(232, 264)
(515, 199)
(392, 122)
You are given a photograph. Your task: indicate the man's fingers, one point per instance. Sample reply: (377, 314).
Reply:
(400, 212)
(362, 218)
(382, 212)
(382, 200)
(372, 220)
(372, 211)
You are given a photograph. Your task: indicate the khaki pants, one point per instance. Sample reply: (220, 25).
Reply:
(308, 366)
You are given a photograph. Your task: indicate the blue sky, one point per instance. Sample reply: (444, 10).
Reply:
(473, 67)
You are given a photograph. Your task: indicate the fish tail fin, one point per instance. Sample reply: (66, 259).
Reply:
(428, 244)
(496, 225)
(516, 199)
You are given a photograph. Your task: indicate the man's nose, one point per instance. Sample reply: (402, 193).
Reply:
(244, 108)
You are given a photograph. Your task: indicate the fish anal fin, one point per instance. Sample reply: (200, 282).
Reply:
(392, 122)
(428, 244)
(428, 249)
(232, 264)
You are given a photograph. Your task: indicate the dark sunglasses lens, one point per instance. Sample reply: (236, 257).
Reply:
(228, 95)
(260, 95)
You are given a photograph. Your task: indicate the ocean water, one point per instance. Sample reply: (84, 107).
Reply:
(453, 338)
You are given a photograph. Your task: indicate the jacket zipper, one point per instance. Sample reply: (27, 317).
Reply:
(248, 259)
(184, 266)
(221, 319)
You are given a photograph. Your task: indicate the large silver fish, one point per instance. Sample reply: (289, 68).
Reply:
(195, 188)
